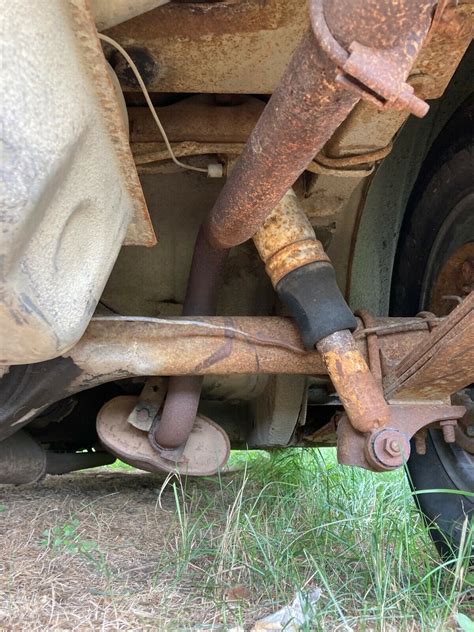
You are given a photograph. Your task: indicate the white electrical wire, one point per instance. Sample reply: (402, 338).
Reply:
(141, 83)
(214, 329)
(210, 329)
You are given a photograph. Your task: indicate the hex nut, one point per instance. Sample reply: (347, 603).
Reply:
(387, 449)
(391, 446)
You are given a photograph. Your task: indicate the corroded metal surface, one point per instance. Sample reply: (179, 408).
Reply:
(300, 117)
(182, 346)
(124, 347)
(447, 42)
(179, 412)
(147, 155)
(115, 348)
(455, 279)
(373, 349)
(220, 47)
(206, 451)
(375, 63)
(443, 364)
(183, 395)
(359, 391)
(304, 111)
(389, 448)
(337, 205)
(199, 118)
(286, 240)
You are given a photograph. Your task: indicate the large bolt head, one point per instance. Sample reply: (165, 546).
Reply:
(388, 449)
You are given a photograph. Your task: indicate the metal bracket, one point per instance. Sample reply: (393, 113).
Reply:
(389, 447)
(376, 75)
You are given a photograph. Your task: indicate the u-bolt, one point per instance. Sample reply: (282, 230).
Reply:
(304, 111)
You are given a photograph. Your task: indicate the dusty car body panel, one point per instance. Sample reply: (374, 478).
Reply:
(71, 194)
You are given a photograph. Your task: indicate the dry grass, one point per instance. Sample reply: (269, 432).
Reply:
(123, 588)
(113, 550)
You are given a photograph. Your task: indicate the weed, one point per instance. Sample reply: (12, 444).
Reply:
(297, 519)
(229, 550)
(66, 538)
(465, 623)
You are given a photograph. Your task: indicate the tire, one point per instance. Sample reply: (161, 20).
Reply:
(438, 222)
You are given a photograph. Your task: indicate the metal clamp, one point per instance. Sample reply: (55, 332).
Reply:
(373, 348)
(375, 75)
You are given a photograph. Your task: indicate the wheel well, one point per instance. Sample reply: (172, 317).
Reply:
(389, 194)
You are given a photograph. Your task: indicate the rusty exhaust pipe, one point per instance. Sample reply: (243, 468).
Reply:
(320, 87)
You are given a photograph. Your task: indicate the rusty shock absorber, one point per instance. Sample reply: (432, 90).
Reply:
(365, 51)
(304, 279)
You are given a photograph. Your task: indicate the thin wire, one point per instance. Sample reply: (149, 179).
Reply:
(409, 325)
(211, 327)
(141, 83)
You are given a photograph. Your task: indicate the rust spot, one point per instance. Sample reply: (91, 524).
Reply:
(287, 241)
(455, 279)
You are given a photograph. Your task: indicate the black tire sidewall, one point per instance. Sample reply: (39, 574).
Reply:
(446, 179)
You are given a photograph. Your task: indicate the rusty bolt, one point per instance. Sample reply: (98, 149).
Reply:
(448, 428)
(420, 441)
(387, 449)
(391, 446)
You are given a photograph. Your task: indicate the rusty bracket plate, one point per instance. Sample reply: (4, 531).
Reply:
(377, 75)
(389, 448)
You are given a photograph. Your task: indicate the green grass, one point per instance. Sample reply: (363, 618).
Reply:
(296, 520)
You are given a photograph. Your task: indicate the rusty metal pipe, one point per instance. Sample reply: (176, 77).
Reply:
(293, 256)
(182, 399)
(300, 117)
(286, 241)
(302, 114)
(358, 390)
(117, 348)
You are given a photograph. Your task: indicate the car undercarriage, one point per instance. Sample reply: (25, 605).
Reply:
(238, 224)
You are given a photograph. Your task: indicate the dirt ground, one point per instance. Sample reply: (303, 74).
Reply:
(115, 549)
(95, 551)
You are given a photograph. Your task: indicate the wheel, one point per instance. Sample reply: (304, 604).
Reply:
(434, 268)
